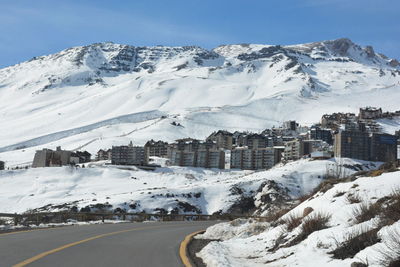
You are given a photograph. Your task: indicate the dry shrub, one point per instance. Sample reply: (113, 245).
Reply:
(375, 173)
(275, 217)
(390, 257)
(315, 222)
(366, 211)
(305, 197)
(386, 167)
(354, 243)
(312, 223)
(391, 212)
(353, 198)
(292, 221)
(339, 194)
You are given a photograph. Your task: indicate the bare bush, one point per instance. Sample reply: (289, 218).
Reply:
(391, 211)
(275, 217)
(312, 223)
(336, 170)
(353, 198)
(366, 211)
(339, 194)
(354, 243)
(292, 221)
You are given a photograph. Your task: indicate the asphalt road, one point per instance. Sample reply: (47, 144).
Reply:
(129, 244)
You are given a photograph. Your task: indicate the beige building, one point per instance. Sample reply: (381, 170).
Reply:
(253, 159)
(50, 158)
(296, 149)
(205, 158)
(223, 139)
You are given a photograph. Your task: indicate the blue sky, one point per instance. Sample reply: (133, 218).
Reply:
(32, 28)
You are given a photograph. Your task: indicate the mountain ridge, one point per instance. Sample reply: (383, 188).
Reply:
(232, 87)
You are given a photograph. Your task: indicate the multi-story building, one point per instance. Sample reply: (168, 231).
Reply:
(156, 148)
(187, 144)
(398, 150)
(2, 165)
(254, 141)
(290, 125)
(253, 159)
(366, 146)
(129, 155)
(316, 133)
(223, 139)
(182, 158)
(332, 121)
(83, 156)
(50, 158)
(103, 154)
(383, 147)
(205, 158)
(210, 159)
(369, 113)
(296, 149)
(352, 144)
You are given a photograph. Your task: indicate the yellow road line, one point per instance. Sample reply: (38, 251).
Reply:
(183, 248)
(44, 254)
(32, 230)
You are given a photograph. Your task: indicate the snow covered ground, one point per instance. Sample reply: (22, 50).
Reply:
(247, 243)
(183, 189)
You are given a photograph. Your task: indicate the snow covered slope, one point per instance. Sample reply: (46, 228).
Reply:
(102, 94)
(183, 189)
(363, 225)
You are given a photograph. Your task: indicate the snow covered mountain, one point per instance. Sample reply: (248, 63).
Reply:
(94, 96)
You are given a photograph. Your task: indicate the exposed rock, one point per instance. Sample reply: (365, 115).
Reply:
(394, 63)
(369, 50)
(307, 211)
(358, 264)
(341, 46)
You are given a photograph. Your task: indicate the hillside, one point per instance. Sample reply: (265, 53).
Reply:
(94, 96)
(350, 222)
(167, 189)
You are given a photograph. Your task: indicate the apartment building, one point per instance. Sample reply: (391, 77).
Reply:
(223, 139)
(157, 148)
(253, 159)
(50, 158)
(205, 158)
(129, 155)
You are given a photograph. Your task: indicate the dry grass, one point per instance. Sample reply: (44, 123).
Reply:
(366, 211)
(391, 211)
(353, 198)
(315, 222)
(312, 223)
(292, 222)
(354, 243)
(339, 194)
(275, 217)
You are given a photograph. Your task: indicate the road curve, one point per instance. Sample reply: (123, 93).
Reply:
(129, 244)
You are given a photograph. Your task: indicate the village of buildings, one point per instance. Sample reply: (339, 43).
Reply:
(337, 135)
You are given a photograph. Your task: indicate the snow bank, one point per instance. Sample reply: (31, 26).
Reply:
(268, 248)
